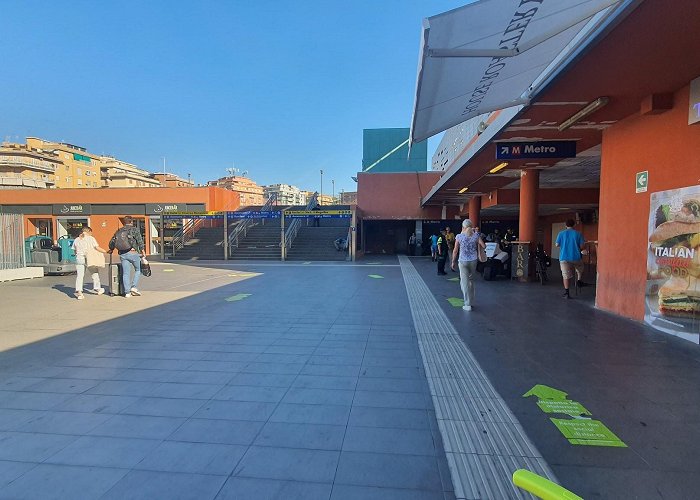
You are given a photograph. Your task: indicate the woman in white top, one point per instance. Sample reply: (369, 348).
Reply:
(81, 245)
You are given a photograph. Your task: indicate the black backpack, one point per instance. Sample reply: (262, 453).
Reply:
(122, 241)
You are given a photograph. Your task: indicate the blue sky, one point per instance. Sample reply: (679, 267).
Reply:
(281, 89)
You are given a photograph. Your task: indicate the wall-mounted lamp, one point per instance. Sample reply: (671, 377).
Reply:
(584, 112)
(498, 167)
(463, 190)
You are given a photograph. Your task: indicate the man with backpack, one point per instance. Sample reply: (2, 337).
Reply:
(129, 243)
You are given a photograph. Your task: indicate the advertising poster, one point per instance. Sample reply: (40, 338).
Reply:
(673, 263)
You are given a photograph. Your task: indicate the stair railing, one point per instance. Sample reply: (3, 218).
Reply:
(291, 232)
(241, 229)
(189, 229)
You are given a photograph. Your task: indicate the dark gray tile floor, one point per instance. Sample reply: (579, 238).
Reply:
(641, 384)
(311, 388)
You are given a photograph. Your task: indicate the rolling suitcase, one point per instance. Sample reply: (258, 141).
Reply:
(489, 272)
(116, 285)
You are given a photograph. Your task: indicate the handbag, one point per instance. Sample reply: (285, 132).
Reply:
(94, 258)
(145, 267)
(482, 253)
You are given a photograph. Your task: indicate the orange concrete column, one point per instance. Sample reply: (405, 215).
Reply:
(529, 186)
(474, 209)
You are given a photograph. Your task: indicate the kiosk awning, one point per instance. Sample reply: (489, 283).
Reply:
(488, 55)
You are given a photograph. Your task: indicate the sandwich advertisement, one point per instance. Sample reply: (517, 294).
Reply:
(673, 263)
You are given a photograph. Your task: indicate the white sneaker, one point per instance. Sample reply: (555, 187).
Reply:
(99, 291)
(135, 292)
(467, 308)
(79, 295)
(127, 295)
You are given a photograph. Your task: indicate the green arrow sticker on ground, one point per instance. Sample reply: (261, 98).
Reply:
(455, 301)
(587, 432)
(565, 407)
(238, 296)
(453, 279)
(375, 276)
(546, 392)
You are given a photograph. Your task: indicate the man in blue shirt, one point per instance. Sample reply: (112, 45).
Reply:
(570, 243)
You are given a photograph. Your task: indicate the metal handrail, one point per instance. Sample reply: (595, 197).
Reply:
(190, 228)
(291, 232)
(241, 229)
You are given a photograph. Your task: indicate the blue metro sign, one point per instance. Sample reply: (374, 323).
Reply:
(535, 150)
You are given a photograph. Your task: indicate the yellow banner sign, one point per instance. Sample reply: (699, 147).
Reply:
(319, 213)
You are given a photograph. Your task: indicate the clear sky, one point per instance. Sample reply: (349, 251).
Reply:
(281, 89)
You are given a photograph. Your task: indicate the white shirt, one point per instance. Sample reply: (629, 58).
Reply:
(82, 244)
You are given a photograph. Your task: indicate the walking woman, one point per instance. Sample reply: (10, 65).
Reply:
(467, 245)
(81, 245)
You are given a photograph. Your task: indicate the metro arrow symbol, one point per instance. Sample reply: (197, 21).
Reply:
(546, 392)
(642, 180)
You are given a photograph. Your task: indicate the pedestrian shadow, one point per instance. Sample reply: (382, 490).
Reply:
(67, 290)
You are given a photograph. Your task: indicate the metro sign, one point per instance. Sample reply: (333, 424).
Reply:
(535, 150)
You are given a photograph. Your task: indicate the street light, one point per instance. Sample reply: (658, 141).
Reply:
(333, 191)
(320, 194)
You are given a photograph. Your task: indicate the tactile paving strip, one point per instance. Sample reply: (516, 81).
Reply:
(483, 440)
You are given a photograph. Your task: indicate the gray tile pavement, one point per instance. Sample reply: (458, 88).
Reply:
(296, 392)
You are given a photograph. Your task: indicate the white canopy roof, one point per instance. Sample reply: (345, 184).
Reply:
(486, 55)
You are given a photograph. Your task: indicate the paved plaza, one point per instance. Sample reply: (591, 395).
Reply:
(317, 381)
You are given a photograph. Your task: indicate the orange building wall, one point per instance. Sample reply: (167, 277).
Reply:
(667, 147)
(398, 195)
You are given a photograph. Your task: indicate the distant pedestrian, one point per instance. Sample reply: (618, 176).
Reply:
(442, 253)
(450, 242)
(81, 246)
(433, 246)
(412, 244)
(467, 253)
(571, 243)
(129, 243)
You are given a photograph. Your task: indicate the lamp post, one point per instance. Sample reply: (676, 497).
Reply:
(320, 194)
(333, 191)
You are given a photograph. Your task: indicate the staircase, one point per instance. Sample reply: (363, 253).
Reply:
(262, 242)
(207, 244)
(317, 243)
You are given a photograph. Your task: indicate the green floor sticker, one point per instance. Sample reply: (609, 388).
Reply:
(373, 263)
(308, 262)
(455, 301)
(578, 430)
(375, 276)
(168, 270)
(566, 407)
(546, 392)
(453, 279)
(238, 296)
(587, 432)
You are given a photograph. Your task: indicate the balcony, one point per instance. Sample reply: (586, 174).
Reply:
(25, 182)
(27, 163)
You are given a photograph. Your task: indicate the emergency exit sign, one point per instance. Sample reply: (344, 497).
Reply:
(642, 179)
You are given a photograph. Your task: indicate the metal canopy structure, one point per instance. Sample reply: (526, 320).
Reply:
(619, 60)
(493, 54)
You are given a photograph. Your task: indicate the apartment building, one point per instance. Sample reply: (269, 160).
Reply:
(171, 180)
(79, 168)
(25, 167)
(117, 173)
(286, 194)
(250, 192)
